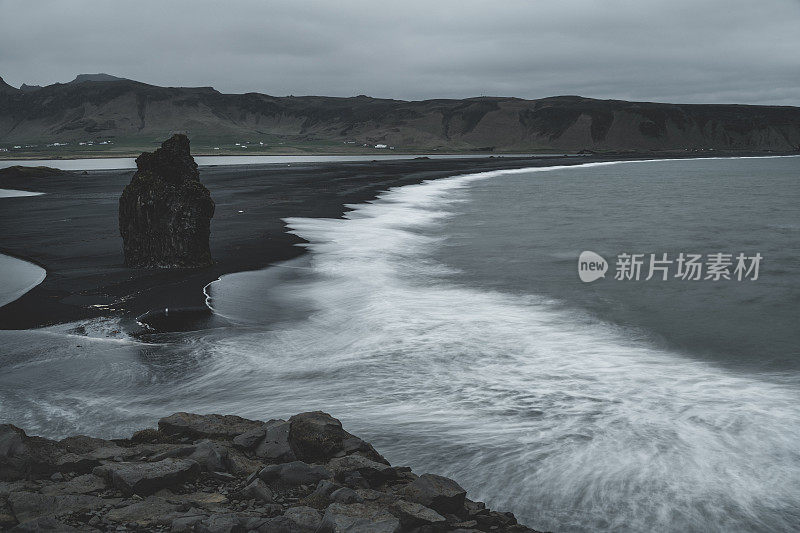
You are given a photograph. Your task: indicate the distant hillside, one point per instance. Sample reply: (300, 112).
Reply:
(80, 78)
(127, 111)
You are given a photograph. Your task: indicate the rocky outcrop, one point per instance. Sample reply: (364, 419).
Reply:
(165, 212)
(206, 473)
(19, 171)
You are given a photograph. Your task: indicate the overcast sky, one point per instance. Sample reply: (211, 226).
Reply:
(671, 50)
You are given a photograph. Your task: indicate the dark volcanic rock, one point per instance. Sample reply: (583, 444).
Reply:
(437, 492)
(19, 171)
(373, 472)
(165, 212)
(147, 478)
(413, 514)
(294, 474)
(22, 456)
(317, 435)
(15, 458)
(358, 517)
(206, 426)
(207, 473)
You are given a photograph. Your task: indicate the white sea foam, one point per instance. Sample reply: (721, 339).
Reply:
(14, 193)
(572, 423)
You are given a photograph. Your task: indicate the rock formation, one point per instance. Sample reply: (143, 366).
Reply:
(214, 473)
(165, 212)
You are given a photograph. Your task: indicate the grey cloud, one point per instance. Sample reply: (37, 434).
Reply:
(678, 50)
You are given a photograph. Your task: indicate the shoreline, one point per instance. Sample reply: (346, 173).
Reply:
(82, 252)
(86, 277)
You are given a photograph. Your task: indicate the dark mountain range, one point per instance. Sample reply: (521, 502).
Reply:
(103, 106)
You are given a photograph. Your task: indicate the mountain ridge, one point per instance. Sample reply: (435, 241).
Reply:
(128, 110)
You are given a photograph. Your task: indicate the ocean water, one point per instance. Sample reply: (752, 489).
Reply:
(18, 276)
(13, 193)
(445, 322)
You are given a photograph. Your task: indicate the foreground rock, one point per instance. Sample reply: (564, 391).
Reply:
(213, 473)
(165, 212)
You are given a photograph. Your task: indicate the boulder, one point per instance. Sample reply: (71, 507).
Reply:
(173, 452)
(257, 490)
(413, 515)
(151, 511)
(165, 212)
(206, 426)
(85, 484)
(320, 498)
(211, 456)
(498, 520)
(358, 518)
(146, 478)
(439, 493)
(373, 472)
(185, 522)
(15, 457)
(354, 445)
(345, 495)
(274, 447)
(42, 524)
(295, 520)
(222, 523)
(293, 474)
(316, 436)
(25, 457)
(248, 440)
(91, 447)
(29, 506)
(303, 518)
(7, 518)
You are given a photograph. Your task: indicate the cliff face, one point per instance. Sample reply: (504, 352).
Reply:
(127, 109)
(165, 212)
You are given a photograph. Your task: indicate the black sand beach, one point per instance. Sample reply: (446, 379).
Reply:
(81, 249)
